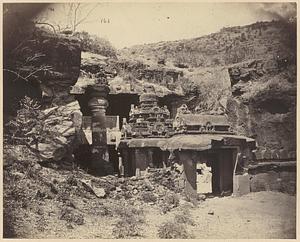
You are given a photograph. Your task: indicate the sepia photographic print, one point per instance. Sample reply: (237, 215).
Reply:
(149, 120)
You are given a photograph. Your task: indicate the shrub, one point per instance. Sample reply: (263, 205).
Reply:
(103, 208)
(184, 217)
(127, 227)
(161, 61)
(29, 127)
(71, 216)
(243, 37)
(173, 230)
(71, 180)
(95, 44)
(216, 61)
(170, 201)
(125, 210)
(127, 76)
(189, 87)
(129, 224)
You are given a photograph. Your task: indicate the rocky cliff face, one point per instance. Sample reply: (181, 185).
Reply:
(265, 108)
(43, 66)
(248, 70)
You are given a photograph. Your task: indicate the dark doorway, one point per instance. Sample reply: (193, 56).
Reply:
(215, 174)
(157, 158)
(113, 158)
(83, 156)
(119, 104)
(83, 103)
(222, 163)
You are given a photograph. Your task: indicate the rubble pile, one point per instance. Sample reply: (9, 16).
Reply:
(151, 187)
(157, 187)
(160, 187)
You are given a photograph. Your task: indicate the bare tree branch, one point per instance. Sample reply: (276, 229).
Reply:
(86, 16)
(17, 74)
(48, 25)
(43, 68)
(75, 14)
(75, 17)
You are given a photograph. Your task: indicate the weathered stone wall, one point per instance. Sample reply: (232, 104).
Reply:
(158, 74)
(272, 176)
(263, 106)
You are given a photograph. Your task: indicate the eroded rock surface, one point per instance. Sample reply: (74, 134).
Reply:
(265, 109)
(66, 121)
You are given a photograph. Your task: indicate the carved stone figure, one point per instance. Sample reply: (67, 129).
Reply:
(126, 129)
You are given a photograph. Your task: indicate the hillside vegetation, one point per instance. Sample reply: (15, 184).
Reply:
(228, 46)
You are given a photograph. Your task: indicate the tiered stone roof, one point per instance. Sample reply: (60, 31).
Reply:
(148, 119)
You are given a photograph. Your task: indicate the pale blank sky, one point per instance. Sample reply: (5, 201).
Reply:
(138, 23)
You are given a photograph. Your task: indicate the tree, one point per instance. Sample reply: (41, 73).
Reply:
(66, 16)
(78, 13)
(29, 127)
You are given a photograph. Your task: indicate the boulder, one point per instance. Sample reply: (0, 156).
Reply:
(98, 191)
(53, 151)
(65, 121)
(241, 185)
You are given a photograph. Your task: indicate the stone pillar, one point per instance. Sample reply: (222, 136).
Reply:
(140, 159)
(150, 158)
(98, 104)
(189, 166)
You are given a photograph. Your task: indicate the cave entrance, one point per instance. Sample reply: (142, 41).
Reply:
(119, 104)
(274, 106)
(83, 103)
(172, 102)
(157, 158)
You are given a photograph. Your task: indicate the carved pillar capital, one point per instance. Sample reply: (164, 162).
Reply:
(98, 104)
